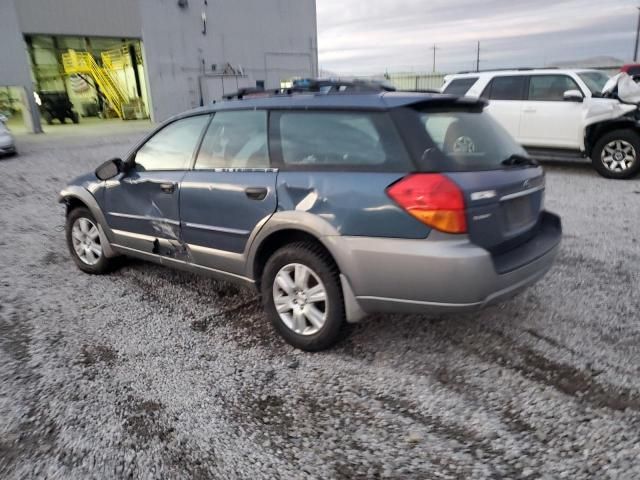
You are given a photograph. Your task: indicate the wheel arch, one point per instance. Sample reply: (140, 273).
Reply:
(596, 131)
(77, 197)
(289, 227)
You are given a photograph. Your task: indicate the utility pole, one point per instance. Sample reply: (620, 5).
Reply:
(434, 58)
(635, 52)
(478, 58)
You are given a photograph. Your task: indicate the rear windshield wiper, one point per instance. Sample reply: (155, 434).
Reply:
(519, 160)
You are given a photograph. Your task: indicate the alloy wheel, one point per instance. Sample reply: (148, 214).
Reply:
(86, 241)
(300, 299)
(618, 155)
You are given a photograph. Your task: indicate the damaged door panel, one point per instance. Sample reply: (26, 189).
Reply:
(142, 207)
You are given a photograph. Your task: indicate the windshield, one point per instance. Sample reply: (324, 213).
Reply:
(466, 141)
(594, 80)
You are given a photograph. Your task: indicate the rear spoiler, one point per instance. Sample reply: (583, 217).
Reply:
(450, 101)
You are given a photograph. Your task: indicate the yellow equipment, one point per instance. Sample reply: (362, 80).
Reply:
(83, 63)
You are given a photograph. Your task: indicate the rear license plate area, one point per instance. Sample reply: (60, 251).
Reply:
(518, 213)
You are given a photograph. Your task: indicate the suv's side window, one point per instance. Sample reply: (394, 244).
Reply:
(460, 86)
(172, 147)
(505, 88)
(339, 139)
(235, 140)
(550, 88)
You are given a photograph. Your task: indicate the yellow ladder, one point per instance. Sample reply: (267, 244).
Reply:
(83, 63)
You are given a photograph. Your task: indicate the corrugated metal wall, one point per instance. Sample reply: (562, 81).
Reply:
(101, 18)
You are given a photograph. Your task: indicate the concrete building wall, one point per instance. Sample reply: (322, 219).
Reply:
(14, 64)
(100, 18)
(269, 39)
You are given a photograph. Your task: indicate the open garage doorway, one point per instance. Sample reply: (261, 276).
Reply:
(14, 109)
(87, 79)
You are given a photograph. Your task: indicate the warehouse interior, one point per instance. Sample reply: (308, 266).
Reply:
(97, 77)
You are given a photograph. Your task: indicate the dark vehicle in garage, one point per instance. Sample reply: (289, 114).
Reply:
(56, 105)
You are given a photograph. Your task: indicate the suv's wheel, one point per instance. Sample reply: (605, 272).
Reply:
(617, 154)
(302, 296)
(83, 240)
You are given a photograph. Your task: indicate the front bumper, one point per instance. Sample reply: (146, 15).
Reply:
(7, 148)
(439, 274)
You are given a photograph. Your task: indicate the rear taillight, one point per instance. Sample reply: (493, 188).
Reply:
(433, 199)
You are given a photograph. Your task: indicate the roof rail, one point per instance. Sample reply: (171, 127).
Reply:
(307, 86)
(520, 69)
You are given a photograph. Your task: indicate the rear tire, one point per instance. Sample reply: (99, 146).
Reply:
(312, 313)
(617, 154)
(84, 243)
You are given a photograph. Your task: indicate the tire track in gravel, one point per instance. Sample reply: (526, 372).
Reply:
(581, 385)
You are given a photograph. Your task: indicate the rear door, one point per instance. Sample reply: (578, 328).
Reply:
(506, 94)
(142, 205)
(230, 190)
(547, 119)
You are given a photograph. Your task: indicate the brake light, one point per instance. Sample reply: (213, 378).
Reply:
(433, 199)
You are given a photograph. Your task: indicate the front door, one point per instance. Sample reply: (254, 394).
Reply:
(547, 119)
(230, 191)
(142, 206)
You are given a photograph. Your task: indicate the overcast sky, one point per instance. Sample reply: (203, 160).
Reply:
(371, 36)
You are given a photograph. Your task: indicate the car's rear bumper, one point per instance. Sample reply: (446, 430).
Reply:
(438, 274)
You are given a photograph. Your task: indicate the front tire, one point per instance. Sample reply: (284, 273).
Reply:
(617, 154)
(302, 296)
(84, 243)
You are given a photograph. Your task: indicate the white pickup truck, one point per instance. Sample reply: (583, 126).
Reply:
(560, 114)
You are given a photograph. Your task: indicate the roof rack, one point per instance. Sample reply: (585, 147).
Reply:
(521, 69)
(307, 85)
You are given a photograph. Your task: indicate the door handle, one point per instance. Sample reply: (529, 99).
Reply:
(256, 193)
(168, 187)
(529, 110)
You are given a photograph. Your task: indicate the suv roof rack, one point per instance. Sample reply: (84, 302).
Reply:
(307, 85)
(521, 69)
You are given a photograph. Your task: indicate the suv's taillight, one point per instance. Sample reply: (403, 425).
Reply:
(433, 199)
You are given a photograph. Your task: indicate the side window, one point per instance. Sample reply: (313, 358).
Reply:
(550, 88)
(235, 140)
(340, 139)
(172, 147)
(460, 86)
(505, 88)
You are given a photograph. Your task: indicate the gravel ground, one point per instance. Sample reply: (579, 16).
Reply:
(151, 373)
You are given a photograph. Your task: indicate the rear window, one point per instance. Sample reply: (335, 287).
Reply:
(339, 139)
(465, 141)
(460, 86)
(505, 88)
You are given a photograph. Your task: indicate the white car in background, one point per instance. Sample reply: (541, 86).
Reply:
(7, 143)
(559, 114)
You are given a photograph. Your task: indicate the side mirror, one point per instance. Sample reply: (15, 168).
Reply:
(110, 169)
(573, 96)
(3, 118)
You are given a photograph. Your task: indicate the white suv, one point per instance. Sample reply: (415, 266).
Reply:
(559, 113)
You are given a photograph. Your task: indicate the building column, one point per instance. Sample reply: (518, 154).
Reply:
(30, 112)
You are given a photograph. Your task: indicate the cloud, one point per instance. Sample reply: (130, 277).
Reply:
(370, 36)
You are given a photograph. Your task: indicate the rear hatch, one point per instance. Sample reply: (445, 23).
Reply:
(503, 188)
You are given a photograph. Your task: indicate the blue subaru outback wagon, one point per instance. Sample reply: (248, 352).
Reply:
(333, 206)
